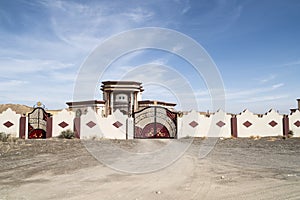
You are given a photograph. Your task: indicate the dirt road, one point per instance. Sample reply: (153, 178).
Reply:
(267, 168)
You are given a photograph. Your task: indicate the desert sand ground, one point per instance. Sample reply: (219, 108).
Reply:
(265, 168)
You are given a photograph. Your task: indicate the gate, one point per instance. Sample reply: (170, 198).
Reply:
(155, 122)
(37, 123)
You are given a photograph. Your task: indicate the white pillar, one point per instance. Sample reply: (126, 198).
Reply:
(131, 102)
(129, 128)
(112, 102)
(26, 128)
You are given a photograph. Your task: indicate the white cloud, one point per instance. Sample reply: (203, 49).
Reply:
(267, 78)
(13, 66)
(139, 14)
(247, 93)
(292, 64)
(277, 85)
(264, 98)
(186, 9)
(86, 25)
(11, 84)
(177, 48)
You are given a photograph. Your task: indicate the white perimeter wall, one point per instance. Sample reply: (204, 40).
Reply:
(193, 124)
(260, 126)
(61, 118)
(294, 123)
(12, 117)
(94, 125)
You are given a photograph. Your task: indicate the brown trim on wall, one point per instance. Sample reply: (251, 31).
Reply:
(77, 127)
(22, 128)
(84, 103)
(233, 123)
(286, 128)
(49, 127)
(152, 102)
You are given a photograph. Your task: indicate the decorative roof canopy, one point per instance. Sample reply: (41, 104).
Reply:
(121, 85)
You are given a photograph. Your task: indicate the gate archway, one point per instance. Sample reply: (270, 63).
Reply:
(37, 123)
(155, 122)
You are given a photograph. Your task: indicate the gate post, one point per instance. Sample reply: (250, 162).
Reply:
(179, 126)
(233, 121)
(49, 127)
(285, 121)
(77, 127)
(22, 128)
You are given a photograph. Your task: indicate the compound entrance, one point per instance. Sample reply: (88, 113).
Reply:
(37, 123)
(155, 122)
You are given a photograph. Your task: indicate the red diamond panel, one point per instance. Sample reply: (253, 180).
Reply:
(63, 124)
(91, 124)
(220, 124)
(117, 124)
(8, 124)
(193, 124)
(273, 123)
(297, 123)
(247, 124)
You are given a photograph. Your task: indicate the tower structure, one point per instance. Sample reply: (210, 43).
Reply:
(121, 95)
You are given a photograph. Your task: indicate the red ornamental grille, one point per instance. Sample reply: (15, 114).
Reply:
(193, 124)
(63, 124)
(273, 123)
(220, 124)
(91, 124)
(8, 124)
(171, 115)
(247, 124)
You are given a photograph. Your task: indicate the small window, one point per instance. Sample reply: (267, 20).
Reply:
(121, 98)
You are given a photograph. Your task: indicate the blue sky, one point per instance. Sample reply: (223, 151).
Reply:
(255, 44)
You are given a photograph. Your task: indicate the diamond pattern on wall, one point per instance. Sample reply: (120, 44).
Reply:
(273, 123)
(193, 124)
(91, 124)
(247, 124)
(117, 124)
(8, 124)
(297, 123)
(220, 124)
(63, 124)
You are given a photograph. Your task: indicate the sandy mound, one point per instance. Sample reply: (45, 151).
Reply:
(20, 109)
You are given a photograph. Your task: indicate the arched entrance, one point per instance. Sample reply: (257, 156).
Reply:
(37, 123)
(155, 122)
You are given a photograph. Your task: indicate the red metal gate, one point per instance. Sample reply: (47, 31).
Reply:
(37, 123)
(155, 122)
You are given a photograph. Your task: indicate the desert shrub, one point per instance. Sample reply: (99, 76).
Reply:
(67, 134)
(4, 137)
(290, 133)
